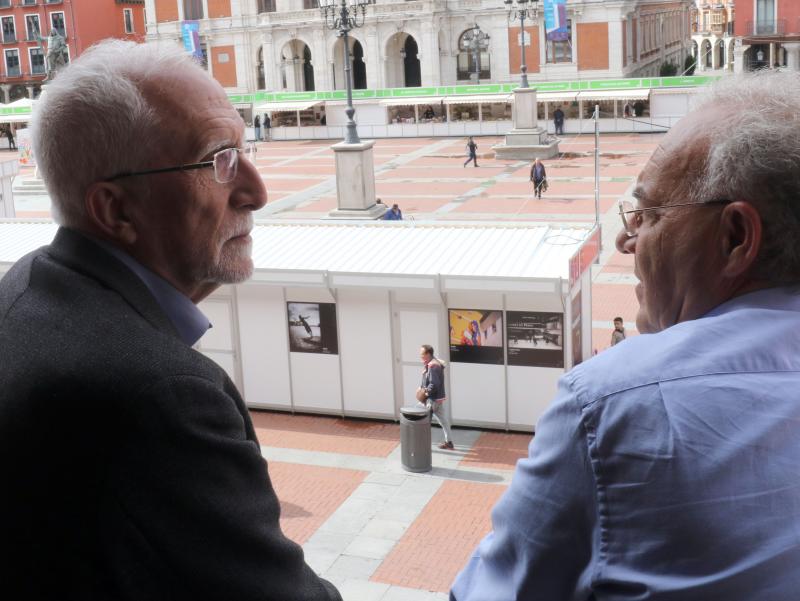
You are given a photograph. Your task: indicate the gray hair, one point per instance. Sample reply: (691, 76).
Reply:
(93, 121)
(754, 155)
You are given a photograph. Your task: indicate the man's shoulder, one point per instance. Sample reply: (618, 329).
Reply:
(745, 340)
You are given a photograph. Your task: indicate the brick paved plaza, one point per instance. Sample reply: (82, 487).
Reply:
(376, 531)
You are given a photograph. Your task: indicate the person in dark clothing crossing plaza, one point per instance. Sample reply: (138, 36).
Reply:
(257, 127)
(10, 135)
(539, 178)
(558, 120)
(431, 393)
(472, 152)
(267, 127)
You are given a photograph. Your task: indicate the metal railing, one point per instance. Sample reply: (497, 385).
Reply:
(766, 27)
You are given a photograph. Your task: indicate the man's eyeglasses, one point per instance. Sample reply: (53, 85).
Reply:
(225, 164)
(632, 215)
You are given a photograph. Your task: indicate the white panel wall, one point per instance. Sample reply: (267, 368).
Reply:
(366, 350)
(316, 384)
(669, 105)
(531, 389)
(263, 333)
(530, 392)
(477, 393)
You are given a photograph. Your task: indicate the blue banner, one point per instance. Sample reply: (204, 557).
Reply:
(555, 20)
(190, 32)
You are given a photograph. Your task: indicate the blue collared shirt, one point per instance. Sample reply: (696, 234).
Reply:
(189, 321)
(667, 468)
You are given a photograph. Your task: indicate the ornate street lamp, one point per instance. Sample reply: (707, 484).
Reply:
(522, 9)
(342, 16)
(475, 41)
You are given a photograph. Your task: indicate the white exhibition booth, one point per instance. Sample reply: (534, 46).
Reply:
(334, 316)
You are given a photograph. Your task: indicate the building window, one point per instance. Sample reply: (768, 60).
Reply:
(57, 23)
(32, 27)
(12, 63)
(127, 17)
(28, 2)
(9, 30)
(266, 6)
(37, 61)
(466, 66)
(5, 3)
(560, 50)
(192, 10)
(309, 4)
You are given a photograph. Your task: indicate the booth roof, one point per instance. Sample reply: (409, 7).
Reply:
(487, 251)
(410, 248)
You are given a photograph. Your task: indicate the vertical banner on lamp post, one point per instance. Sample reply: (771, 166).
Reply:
(555, 20)
(190, 33)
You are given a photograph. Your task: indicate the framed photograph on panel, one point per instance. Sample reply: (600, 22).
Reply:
(312, 328)
(535, 339)
(476, 336)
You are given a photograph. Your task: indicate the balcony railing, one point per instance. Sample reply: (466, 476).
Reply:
(9, 38)
(773, 27)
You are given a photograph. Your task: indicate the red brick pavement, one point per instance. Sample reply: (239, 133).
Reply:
(497, 450)
(309, 495)
(618, 263)
(439, 542)
(612, 300)
(326, 434)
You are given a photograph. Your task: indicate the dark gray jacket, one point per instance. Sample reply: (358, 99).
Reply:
(129, 467)
(433, 380)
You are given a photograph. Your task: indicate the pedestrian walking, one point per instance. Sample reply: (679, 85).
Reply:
(558, 120)
(267, 127)
(257, 125)
(539, 178)
(10, 135)
(431, 394)
(472, 152)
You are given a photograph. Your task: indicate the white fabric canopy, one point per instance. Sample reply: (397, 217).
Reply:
(479, 99)
(298, 105)
(638, 94)
(410, 101)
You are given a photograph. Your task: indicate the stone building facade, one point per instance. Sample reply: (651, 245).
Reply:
(285, 45)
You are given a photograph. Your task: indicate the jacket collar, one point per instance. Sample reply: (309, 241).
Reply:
(81, 254)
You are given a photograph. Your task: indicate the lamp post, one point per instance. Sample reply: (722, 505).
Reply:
(475, 41)
(522, 9)
(344, 16)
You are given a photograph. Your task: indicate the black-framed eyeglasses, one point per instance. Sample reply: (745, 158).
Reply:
(225, 164)
(632, 223)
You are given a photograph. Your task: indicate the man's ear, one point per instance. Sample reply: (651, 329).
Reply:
(741, 240)
(107, 208)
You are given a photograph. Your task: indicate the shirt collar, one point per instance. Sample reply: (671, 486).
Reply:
(188, 320)
(783, 297)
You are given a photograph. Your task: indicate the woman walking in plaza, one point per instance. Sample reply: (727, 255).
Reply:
(539, 178)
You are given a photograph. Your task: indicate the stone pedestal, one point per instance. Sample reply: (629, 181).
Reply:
(527, 140)
(355, 182)
(8, 171)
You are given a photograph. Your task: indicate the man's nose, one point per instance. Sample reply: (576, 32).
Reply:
(626, 244)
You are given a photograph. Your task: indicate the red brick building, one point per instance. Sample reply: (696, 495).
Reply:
(81, 22)
(768, 34)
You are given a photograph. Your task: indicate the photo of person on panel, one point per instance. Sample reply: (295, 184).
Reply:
(476, 336)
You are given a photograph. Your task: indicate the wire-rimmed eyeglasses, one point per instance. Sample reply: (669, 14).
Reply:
(632, 215)
(225, 164)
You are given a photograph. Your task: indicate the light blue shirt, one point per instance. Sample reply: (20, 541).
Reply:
(667, 468)
(189, 321)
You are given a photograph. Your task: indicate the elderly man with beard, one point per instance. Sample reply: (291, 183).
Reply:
(667, 467)
(130, 467)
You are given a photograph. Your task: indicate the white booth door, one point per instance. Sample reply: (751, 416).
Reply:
(415, 327)
(218, 343)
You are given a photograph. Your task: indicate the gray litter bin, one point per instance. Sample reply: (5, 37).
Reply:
(415, 439)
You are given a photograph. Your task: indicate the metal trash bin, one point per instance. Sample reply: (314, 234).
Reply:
(415, 439)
